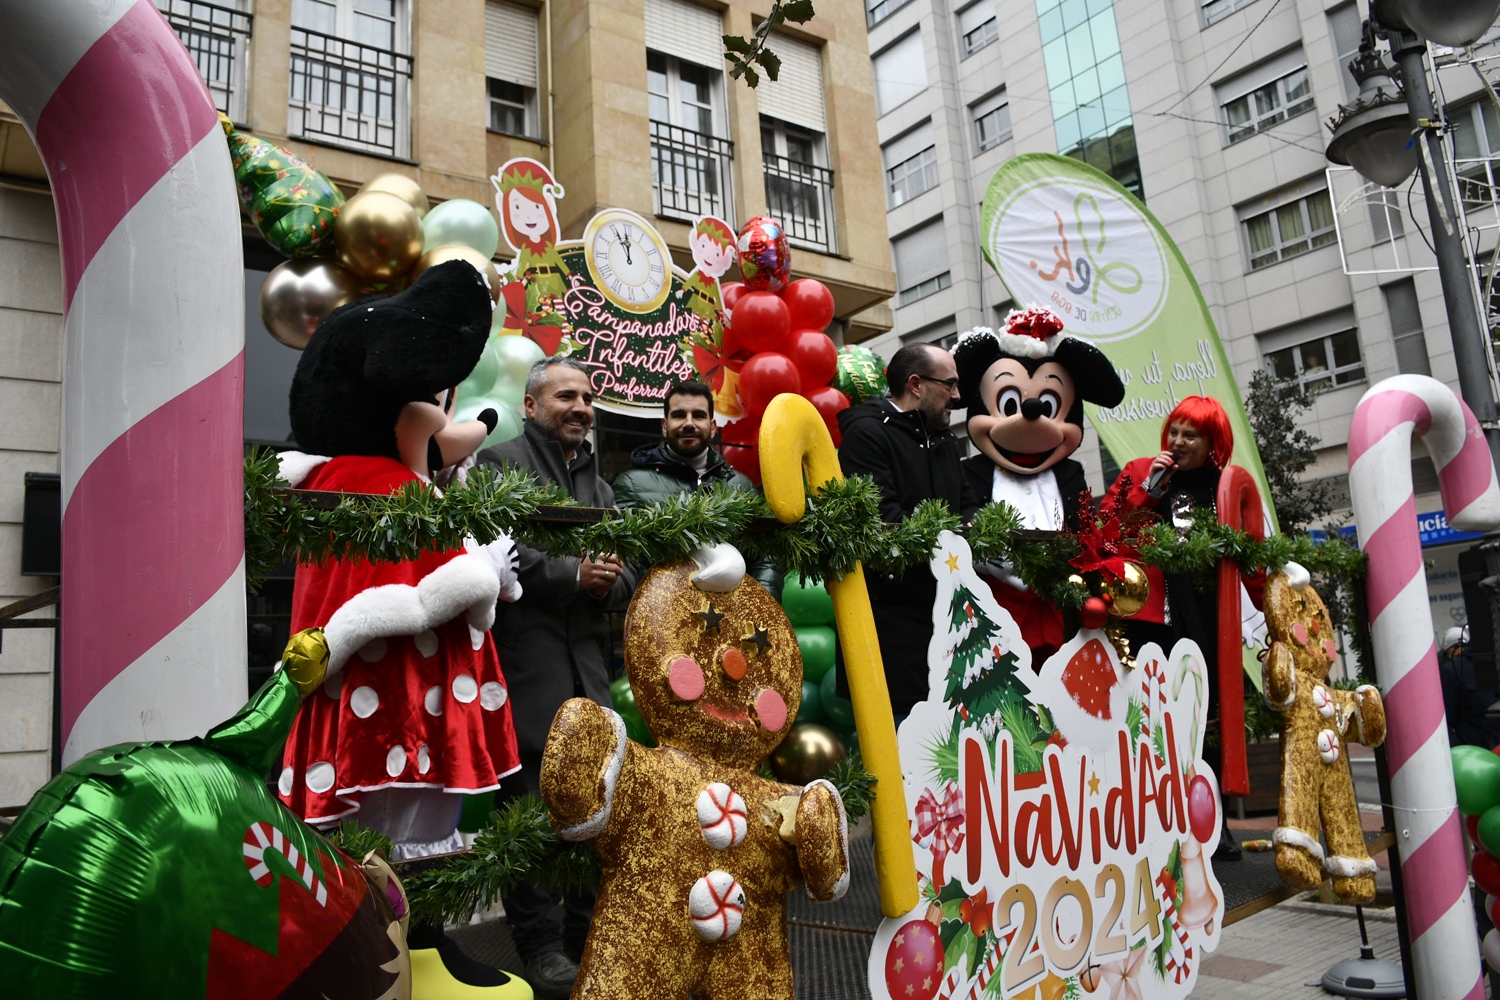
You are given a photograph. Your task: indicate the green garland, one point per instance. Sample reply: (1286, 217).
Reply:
(841, 527)
(519, 844)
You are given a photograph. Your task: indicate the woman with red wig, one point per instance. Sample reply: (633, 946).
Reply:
(1196, 442)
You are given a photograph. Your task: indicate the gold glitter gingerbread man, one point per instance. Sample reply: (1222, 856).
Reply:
(1319, 721)
(698, 851)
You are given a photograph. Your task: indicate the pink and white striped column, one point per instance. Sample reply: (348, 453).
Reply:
(153, 642)
(1445, 945)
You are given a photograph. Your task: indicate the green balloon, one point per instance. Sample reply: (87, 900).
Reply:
(1489, 830)
(516, 355)
(817, 643)
(482, 379)
(509, 422)
(1476, 776)
(804, 604)
(811, 709)
(840, 711)
(461, 221)
(291, 203)
(623, 695)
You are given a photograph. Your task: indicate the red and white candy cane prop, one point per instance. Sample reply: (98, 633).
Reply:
(263, 837)
(1428, 835)
(153, 630)
(1239, 506)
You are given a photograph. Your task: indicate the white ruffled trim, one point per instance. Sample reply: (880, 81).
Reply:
(1021, 346)
(465, 585)
(594, 825)
(298, 465)
(842, 885)
(1296, 838)
(1346, 867)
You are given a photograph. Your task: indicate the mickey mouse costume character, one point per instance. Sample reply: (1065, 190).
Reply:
(415, 707)
(1025, 389)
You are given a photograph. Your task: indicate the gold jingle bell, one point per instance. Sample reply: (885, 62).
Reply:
(1129, 594)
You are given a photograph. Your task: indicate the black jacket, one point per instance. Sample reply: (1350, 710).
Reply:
(909, 464)
(980, 472)
(551, 641)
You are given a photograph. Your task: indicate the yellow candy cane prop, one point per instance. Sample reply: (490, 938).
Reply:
(795, 442)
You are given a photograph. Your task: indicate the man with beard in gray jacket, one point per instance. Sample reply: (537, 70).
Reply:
(551, 640)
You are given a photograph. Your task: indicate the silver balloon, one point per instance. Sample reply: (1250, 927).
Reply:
(297, 295)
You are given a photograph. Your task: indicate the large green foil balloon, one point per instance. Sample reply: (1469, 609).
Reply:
(860, 375)
(165, 870)
(1476, 776)
(806, 604)
(818, 644)
(461, 221)
(291, 203)
(840, 711)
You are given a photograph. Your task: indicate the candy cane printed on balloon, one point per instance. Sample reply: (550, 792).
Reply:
(1440, 919)
(263, 837)
(152, 531)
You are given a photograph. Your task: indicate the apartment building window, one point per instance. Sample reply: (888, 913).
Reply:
(691, 154)
(1318, 353)
(351, 74)
(1265, 96)
(1217, 10)
(921, 258)
(1346, 30)
(1290, 229)
(511, 67)
(794, 146)
(1476, 140)
(991, 121)
(900, 73)
(217, 38)
(878, 10)
(977, 26)
(1385, 210)
(910, 165)
(1406, 328)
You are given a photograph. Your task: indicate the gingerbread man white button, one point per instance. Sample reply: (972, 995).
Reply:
(1328, 746)
(721, 816)
(1323, 701)
(717, 905)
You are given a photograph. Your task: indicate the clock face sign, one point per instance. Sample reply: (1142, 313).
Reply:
(628, 261)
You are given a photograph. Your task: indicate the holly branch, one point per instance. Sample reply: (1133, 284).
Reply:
(745, 54)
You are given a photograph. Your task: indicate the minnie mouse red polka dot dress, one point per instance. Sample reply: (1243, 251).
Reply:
(415, 696)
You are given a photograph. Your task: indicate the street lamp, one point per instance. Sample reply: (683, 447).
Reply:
(1373, 135)
(1447, 22)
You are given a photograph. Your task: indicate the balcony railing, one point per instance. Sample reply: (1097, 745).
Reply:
(800, 197)
(349, 94)
(690, 173)
(218, 40)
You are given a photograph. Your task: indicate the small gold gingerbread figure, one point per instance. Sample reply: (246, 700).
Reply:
(698, 851)
(1315, 781)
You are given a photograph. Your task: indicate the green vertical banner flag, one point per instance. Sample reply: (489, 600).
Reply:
(1066, 236)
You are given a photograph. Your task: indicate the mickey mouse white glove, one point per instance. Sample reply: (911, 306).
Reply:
(505, 559)
(455, 475)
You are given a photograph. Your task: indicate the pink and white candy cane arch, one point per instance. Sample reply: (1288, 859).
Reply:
(1435, 873)
(153, 634)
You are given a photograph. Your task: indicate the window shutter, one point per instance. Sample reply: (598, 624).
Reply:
(920, 254)
(1344, 26)
(905, 147)
(981, 108)
(510, 43)
(1259, 75)
(974, 15)
(796, 96)
(685, 30)
(900, 73)
(1406, 328)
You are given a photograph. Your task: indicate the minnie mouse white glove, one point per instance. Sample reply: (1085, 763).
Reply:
(505, 559)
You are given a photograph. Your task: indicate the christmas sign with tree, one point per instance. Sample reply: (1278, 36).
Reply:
(1062, 816)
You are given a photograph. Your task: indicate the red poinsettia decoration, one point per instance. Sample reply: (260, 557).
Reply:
(1033, 321)
(977, 912)
(1105, 542)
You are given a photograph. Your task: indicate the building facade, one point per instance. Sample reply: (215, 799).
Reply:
(628, 102)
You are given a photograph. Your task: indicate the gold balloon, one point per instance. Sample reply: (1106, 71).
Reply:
(297, 294)
(807, 753)
(379, 236)
(1131, 592)
(402, 187)
(457, 251)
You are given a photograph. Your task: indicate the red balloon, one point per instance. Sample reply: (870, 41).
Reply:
(810, 302)
(829, 403)
(740, 444)
(761, 322)
(1486, 872)
(730, 292)
(764, 377)
(816, 357)
(1203, 811)
(1494, 909)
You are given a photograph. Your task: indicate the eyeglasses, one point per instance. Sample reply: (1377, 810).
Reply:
(951, 383)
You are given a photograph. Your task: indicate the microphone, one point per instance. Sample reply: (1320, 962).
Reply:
(1154, 480)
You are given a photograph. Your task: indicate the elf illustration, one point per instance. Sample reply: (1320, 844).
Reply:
(713, 245)
(526, 199)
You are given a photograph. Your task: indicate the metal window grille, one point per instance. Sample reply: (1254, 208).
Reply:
(1217, 10)
(349, 94)
(912, 176)
(800, 196)
(690, 173)
(981, 36)
(1269, 105)
(1290, 230)
(217, 39)
(882, 9)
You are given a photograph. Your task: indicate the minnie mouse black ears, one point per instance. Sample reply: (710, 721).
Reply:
(1094, 378)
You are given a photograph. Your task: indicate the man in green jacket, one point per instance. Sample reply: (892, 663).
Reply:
(685, 460)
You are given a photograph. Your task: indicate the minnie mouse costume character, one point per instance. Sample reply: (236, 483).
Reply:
(415, 704)
(1025, 389)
